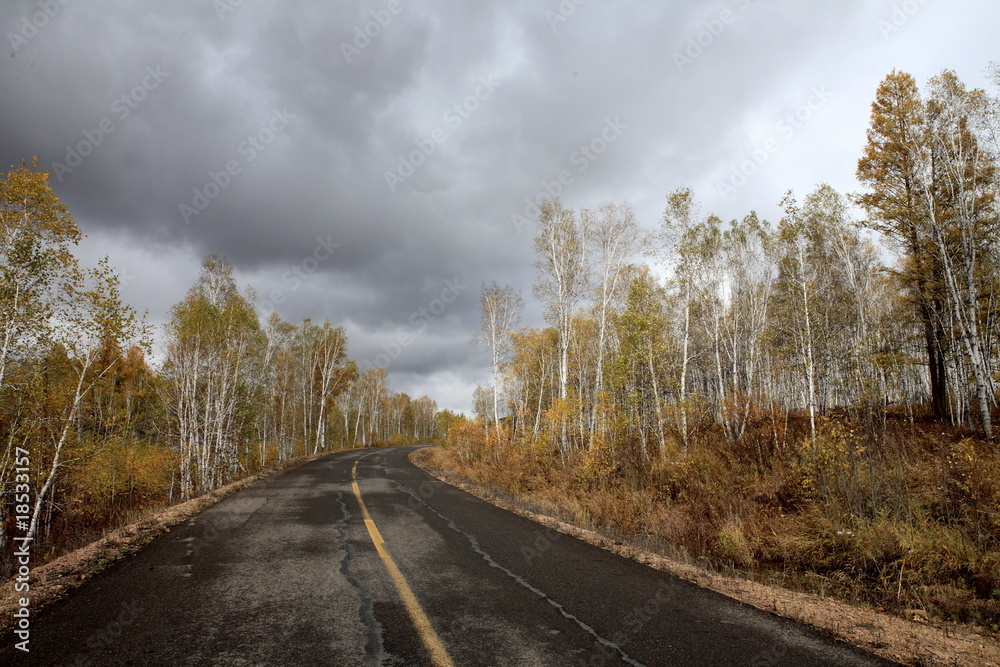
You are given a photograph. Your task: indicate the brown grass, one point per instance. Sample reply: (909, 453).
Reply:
(904, 526)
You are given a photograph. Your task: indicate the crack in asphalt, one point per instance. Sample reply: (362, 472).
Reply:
(374, 651)
(474, 543)
(252, 514)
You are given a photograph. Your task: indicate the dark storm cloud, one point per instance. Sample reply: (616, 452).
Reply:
(411, 135)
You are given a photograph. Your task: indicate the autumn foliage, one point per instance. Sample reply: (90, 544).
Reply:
(105, 436)
(785, 400)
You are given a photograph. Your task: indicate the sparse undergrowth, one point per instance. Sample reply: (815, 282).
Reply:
(911, 529)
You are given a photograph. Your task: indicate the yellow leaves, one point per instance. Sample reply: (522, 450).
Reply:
(973, 476)
(598, 463)
(28, 206)
(121, 475)
(829, 457)
(468, 437)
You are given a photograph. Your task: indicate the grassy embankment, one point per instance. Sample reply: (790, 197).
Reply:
(910, 523)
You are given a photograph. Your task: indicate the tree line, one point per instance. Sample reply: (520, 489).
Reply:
(106, 435)
(767, 321)
(810, 400)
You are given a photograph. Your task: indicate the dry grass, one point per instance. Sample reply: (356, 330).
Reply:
(906, 532)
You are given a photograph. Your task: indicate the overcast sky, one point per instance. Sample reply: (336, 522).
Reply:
(366, 162)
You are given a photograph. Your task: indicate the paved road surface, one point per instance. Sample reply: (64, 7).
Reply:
(360, 558)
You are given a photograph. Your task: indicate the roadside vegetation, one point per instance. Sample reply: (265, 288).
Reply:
(810, 402)
(94, 437)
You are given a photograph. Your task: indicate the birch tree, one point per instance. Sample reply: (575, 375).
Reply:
(798, 314)
(63, 326)
(501, 309)
(561, 250)
(372, 396)
(641, 360)
(324, 373)
(37, 269)
(213, 344)
(615, 238)
(957, 182)
(749, 266)
(688, 243)
(37, 275)
(95, 318)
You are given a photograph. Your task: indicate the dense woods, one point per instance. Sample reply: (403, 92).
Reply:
(810, 397)
(93, 435)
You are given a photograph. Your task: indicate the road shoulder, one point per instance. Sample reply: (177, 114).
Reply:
(908, 642)
(59, 577)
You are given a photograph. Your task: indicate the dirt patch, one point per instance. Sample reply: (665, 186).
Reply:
(59, 577)
(912, 642)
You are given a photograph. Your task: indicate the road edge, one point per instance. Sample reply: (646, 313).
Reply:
(61, 576)
(888, 636)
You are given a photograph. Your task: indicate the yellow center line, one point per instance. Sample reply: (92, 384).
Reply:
(437, 651)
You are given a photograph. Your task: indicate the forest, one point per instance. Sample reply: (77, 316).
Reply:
(94, 436)
(810, 402)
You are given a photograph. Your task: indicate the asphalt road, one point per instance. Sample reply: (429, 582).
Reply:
(287, 572)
